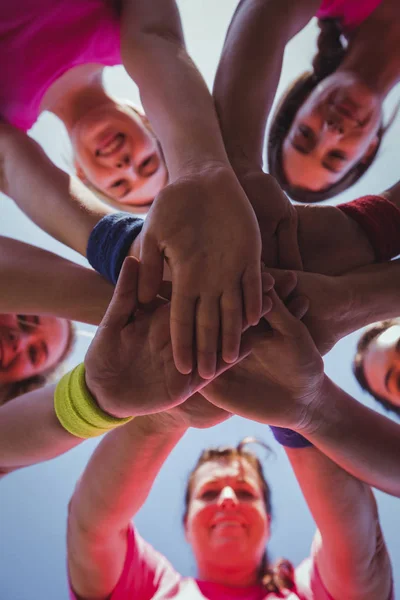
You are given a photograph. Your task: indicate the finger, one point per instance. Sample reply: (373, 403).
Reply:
(289, 255)
(252, 294)
(231, 306)
(279, 317)
(124, 301)
(151, 270)
(207, 335)
(165, 290)
(182, 330)
(298, 306)
(285, 282)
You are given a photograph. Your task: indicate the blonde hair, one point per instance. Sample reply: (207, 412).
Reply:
(132, 208)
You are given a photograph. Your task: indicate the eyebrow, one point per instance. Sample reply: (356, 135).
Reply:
(387, 378)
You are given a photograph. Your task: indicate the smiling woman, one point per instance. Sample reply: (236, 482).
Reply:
(31, 350)
(327, 128)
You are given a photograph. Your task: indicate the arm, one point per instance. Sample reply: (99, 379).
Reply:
(30, 431)
(284, 385)
(202, 222)
(361, 441)
(46, 194)
(56, 285)
(349, 548)
(250, 68)
(114, 486)
(174, 95)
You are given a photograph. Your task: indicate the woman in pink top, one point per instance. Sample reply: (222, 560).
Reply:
(327, 128)
(227, 516)
(53, 53)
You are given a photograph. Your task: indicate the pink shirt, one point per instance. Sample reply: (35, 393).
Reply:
(42, 39)
(147, 575)
(350, 12)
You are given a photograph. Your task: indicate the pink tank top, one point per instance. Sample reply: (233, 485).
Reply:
(350, 12)
(42, 39)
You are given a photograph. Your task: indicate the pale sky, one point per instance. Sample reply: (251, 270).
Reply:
(33, 501)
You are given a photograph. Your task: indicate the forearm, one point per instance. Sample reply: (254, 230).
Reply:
(361, 441)
(120, 474)
(30, 431)
(249, 71)
(330, 242)
(59, 204)
(349, 550)
(56, 286)
(174, 95)
(374, 294)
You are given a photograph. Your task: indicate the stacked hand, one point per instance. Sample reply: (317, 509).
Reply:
(129, 366)
(276, 216)
(280, 382)
(204, 227)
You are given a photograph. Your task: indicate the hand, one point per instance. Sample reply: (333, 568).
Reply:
(205, 228)
(196, 412)
(280, 381)
(276, 216)
(330, 314)
(129, 365)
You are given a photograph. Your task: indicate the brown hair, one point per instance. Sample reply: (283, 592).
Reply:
(358, 367)
(331, 52)
(274, 578)
(17, 388)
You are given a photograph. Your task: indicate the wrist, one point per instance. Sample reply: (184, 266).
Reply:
(314, 413)
(161, 425)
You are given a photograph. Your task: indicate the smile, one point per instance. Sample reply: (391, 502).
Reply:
(111, 145)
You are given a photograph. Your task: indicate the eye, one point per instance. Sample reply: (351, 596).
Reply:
(306, 132)
(117, 183)
(24, 323)
(338, 154)
(244, 494)
(33, 355)
(209, 495)
(149, 166)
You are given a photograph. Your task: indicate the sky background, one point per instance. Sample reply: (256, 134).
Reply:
(33, 501)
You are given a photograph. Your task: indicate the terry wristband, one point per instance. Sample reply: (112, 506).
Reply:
(380, 220)
(288, 438)
(109, 243)
(76, 409)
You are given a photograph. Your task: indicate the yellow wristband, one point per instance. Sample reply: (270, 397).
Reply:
(77, 410)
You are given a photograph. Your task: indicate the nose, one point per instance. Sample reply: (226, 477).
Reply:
(123, 161)
(335, 126)
(227, 498)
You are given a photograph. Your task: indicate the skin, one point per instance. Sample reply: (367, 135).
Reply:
(381, 364)
(334, 129)
(337, 125)
(227, 524)
(114, 148)
(29, 345)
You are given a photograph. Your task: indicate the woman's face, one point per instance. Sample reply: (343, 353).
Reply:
(334, 129)
(116, 153)
(381, 365)
(29, 345)
(227, 520)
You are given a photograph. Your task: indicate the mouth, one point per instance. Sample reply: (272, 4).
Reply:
(228, 523)
(110, 144)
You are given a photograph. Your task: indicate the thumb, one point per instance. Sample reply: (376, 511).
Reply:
(124, 301)
(151, 270)
(289, 256)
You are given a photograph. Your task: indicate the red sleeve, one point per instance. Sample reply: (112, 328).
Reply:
(380, 220)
